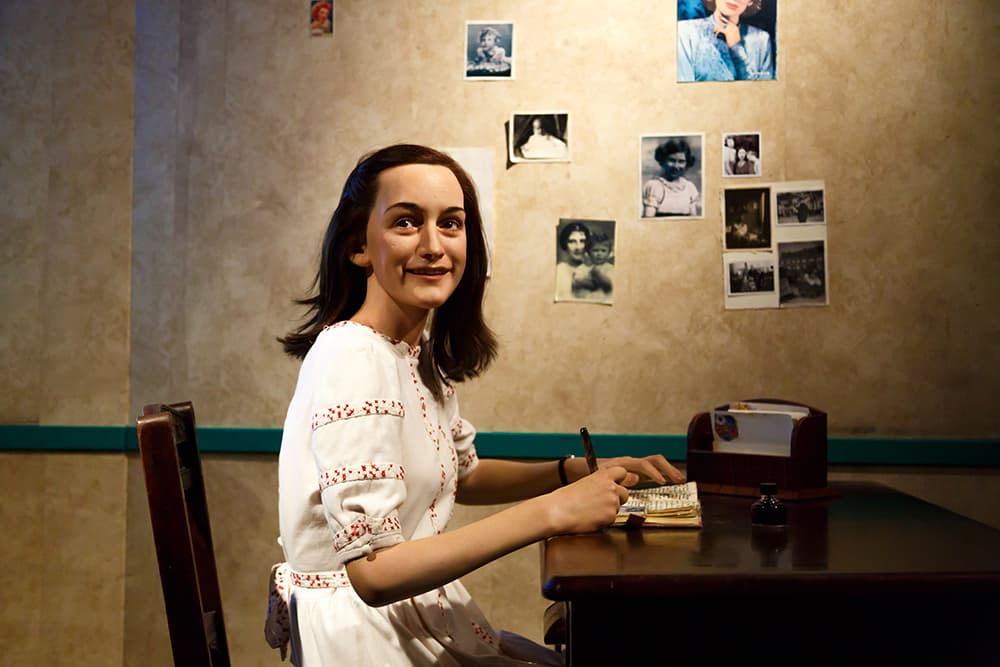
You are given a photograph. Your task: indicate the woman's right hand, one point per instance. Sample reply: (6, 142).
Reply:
(588, 504)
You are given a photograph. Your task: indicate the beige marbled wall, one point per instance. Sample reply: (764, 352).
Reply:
(244, 129)
(66, 167)
(262, 125)
(64, 554)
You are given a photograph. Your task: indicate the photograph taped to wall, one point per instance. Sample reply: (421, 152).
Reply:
(539, 136)
(489, 50)
(802, 274)
(750, 280)
(726, 40)
(802, 202)
(747, 218)
(741, 155)
(671, 175)
(321, 18)
(751, 276)
(585, 260)
(478, 164)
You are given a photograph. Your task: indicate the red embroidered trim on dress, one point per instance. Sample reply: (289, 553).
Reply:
(483, 634)
(468, 460)
(365, 471)
(319, 579)
(365, 526)
(374, 406)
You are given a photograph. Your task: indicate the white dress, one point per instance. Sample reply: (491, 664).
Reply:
(369, 459)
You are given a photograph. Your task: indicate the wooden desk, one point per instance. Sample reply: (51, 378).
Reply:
(873, 576)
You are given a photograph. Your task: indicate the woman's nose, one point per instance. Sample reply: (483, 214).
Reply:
(430, 242)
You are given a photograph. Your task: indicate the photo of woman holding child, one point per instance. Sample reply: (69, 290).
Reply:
(585, 266)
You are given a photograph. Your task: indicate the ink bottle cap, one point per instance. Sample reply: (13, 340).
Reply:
(768, 510)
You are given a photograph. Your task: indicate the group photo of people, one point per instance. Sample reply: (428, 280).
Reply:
(751, 277)
(741, 154)
(800, 206)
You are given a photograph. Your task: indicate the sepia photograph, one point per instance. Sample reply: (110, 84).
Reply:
(585, 260)
(489, 50)
(747, 218)
(671, 174)
(726, 40)
(802, 273)
(741, 154)
(539, 137)
(800, 206)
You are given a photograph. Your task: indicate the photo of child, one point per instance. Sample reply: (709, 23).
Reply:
(489, 50)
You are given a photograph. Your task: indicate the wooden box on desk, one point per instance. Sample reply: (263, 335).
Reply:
(800, 476)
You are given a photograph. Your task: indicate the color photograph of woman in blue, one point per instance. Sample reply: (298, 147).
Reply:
(717, 42)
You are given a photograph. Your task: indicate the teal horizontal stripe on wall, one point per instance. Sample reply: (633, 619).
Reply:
(865, 451)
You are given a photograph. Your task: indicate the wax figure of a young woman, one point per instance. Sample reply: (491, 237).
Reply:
(374, 453)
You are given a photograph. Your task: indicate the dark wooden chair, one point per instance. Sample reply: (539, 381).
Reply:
(171, 464)
(554, 625)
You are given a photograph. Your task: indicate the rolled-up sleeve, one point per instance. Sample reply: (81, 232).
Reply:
(356, 441)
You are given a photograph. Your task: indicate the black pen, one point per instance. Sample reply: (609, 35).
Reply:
(588, 449)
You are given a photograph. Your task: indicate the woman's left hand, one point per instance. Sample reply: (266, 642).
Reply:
(729, 28)
(654, 468)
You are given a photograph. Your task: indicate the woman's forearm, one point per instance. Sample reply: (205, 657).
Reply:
(417, 566)
(498, 481)
(410, 568)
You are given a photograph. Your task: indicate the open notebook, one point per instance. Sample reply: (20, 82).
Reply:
(668, 506)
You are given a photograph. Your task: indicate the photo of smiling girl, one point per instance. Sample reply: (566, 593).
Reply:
(671, 172)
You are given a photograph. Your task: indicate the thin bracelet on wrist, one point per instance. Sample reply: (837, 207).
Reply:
(562, 469)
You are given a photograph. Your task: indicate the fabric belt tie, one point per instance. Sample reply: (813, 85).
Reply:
(277, 624)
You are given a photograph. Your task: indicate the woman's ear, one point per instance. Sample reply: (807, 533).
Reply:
(360, 257)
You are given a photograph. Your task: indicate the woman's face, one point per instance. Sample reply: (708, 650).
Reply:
(674, 166)
(488, 40)
(733, 8)
(741, 154)
(536, 126)
(415, 244)
(576, 245)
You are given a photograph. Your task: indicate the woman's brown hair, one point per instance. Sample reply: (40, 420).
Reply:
(461, 345)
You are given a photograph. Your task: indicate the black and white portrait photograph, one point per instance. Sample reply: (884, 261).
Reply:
(747, 218)
(726, 40)
(800, 205)
(539, 137)
(802, 273)
(751, 276)
(671, 174)
(585, 260)
(741, 155)
(489, 50)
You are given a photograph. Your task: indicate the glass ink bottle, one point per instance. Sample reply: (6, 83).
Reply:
(768, 511)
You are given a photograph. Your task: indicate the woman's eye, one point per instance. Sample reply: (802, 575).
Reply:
(406, 223)
(451, 223)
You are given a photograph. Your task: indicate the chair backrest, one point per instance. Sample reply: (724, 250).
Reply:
(178, 510)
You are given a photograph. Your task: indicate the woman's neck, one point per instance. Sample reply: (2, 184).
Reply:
(393, 322)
